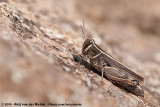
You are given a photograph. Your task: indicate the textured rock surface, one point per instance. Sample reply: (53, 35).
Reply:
(37, 40)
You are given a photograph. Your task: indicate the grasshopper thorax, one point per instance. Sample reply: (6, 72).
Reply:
(87, 45)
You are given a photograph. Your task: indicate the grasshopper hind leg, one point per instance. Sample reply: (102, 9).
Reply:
(118, 76)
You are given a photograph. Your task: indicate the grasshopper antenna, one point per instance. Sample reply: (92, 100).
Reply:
(82, 28)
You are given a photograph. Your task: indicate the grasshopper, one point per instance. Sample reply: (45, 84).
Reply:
(111, 68)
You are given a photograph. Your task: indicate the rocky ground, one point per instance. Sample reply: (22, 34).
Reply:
(38, 39)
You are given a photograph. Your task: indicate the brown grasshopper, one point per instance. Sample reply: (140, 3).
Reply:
(111, 68)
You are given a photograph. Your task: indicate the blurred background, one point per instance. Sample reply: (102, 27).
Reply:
(38, 38)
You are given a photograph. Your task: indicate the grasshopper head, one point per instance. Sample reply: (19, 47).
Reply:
(87, 45)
